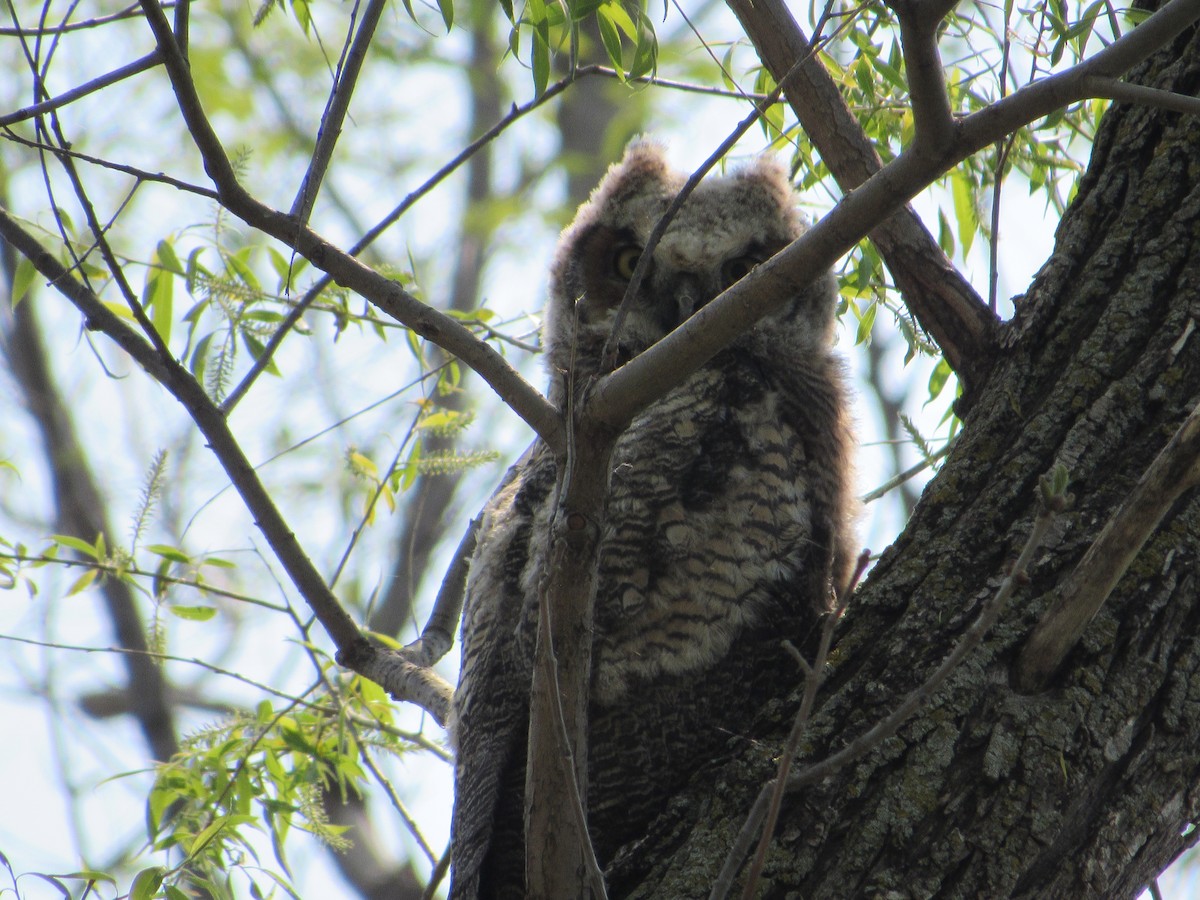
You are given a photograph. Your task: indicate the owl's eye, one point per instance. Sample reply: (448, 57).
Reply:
(733, 270)
(625, 260)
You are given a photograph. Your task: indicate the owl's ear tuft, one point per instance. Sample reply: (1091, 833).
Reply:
(644, 153)
(770, 175)
(642, 171)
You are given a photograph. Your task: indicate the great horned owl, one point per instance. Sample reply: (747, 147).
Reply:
(726, 526)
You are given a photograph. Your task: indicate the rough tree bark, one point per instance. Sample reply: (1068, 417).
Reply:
(1087, 787)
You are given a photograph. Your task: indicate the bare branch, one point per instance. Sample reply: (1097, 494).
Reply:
(1123, 92)
(911, 472)
(405, 680)
(1175, 470)
(335, 111)
(149, 61)
(132, 171)
(919, 21)
(942, 300)
(437, 637)
(556, 766)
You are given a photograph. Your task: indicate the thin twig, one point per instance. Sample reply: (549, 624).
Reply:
(911, 472)
(142, 64)
(130, 12)
(133, 171)
(121, 571)
(814, 677)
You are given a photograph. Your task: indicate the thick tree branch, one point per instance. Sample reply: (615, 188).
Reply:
(937, 294)
(667, 363)
(1175, 470)
(919, 21)
(437, 637)
(556, 783)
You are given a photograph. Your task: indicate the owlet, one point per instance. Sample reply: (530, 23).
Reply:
(727, 526)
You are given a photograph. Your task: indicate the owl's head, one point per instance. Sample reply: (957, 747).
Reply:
(727, 226)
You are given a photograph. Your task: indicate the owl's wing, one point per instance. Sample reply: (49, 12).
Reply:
(490, 722)
(815, 402)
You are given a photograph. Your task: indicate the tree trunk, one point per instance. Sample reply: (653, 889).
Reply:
(1085, 788)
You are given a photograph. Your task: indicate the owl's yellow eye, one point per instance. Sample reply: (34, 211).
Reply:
(625, 260)
(733, 270)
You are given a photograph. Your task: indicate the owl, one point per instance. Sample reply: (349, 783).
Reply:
(727, 526)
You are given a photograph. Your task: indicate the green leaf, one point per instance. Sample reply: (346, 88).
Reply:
(937, 380)
(22, 280)
(146, 883)
(83, 582)
(158, 297)
(964, 209)
(447, 10)
(172, 553)
(257, 348)
(75, 543)
(303, 16)
(193, 613)
(645, 54)
(541, 63)
(239, 263)
(195, 269)
(118, 309)
(865, 323)
(167, 258)
(611, 40)
(617, 15)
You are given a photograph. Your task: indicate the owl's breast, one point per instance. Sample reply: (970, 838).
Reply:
(705, 530)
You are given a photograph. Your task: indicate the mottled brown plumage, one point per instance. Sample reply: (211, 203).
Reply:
(727, 523)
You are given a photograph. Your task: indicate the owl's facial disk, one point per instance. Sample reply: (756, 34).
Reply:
(728, 225)
(684, 274)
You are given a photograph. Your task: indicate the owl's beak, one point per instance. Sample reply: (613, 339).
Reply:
(690, 294)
